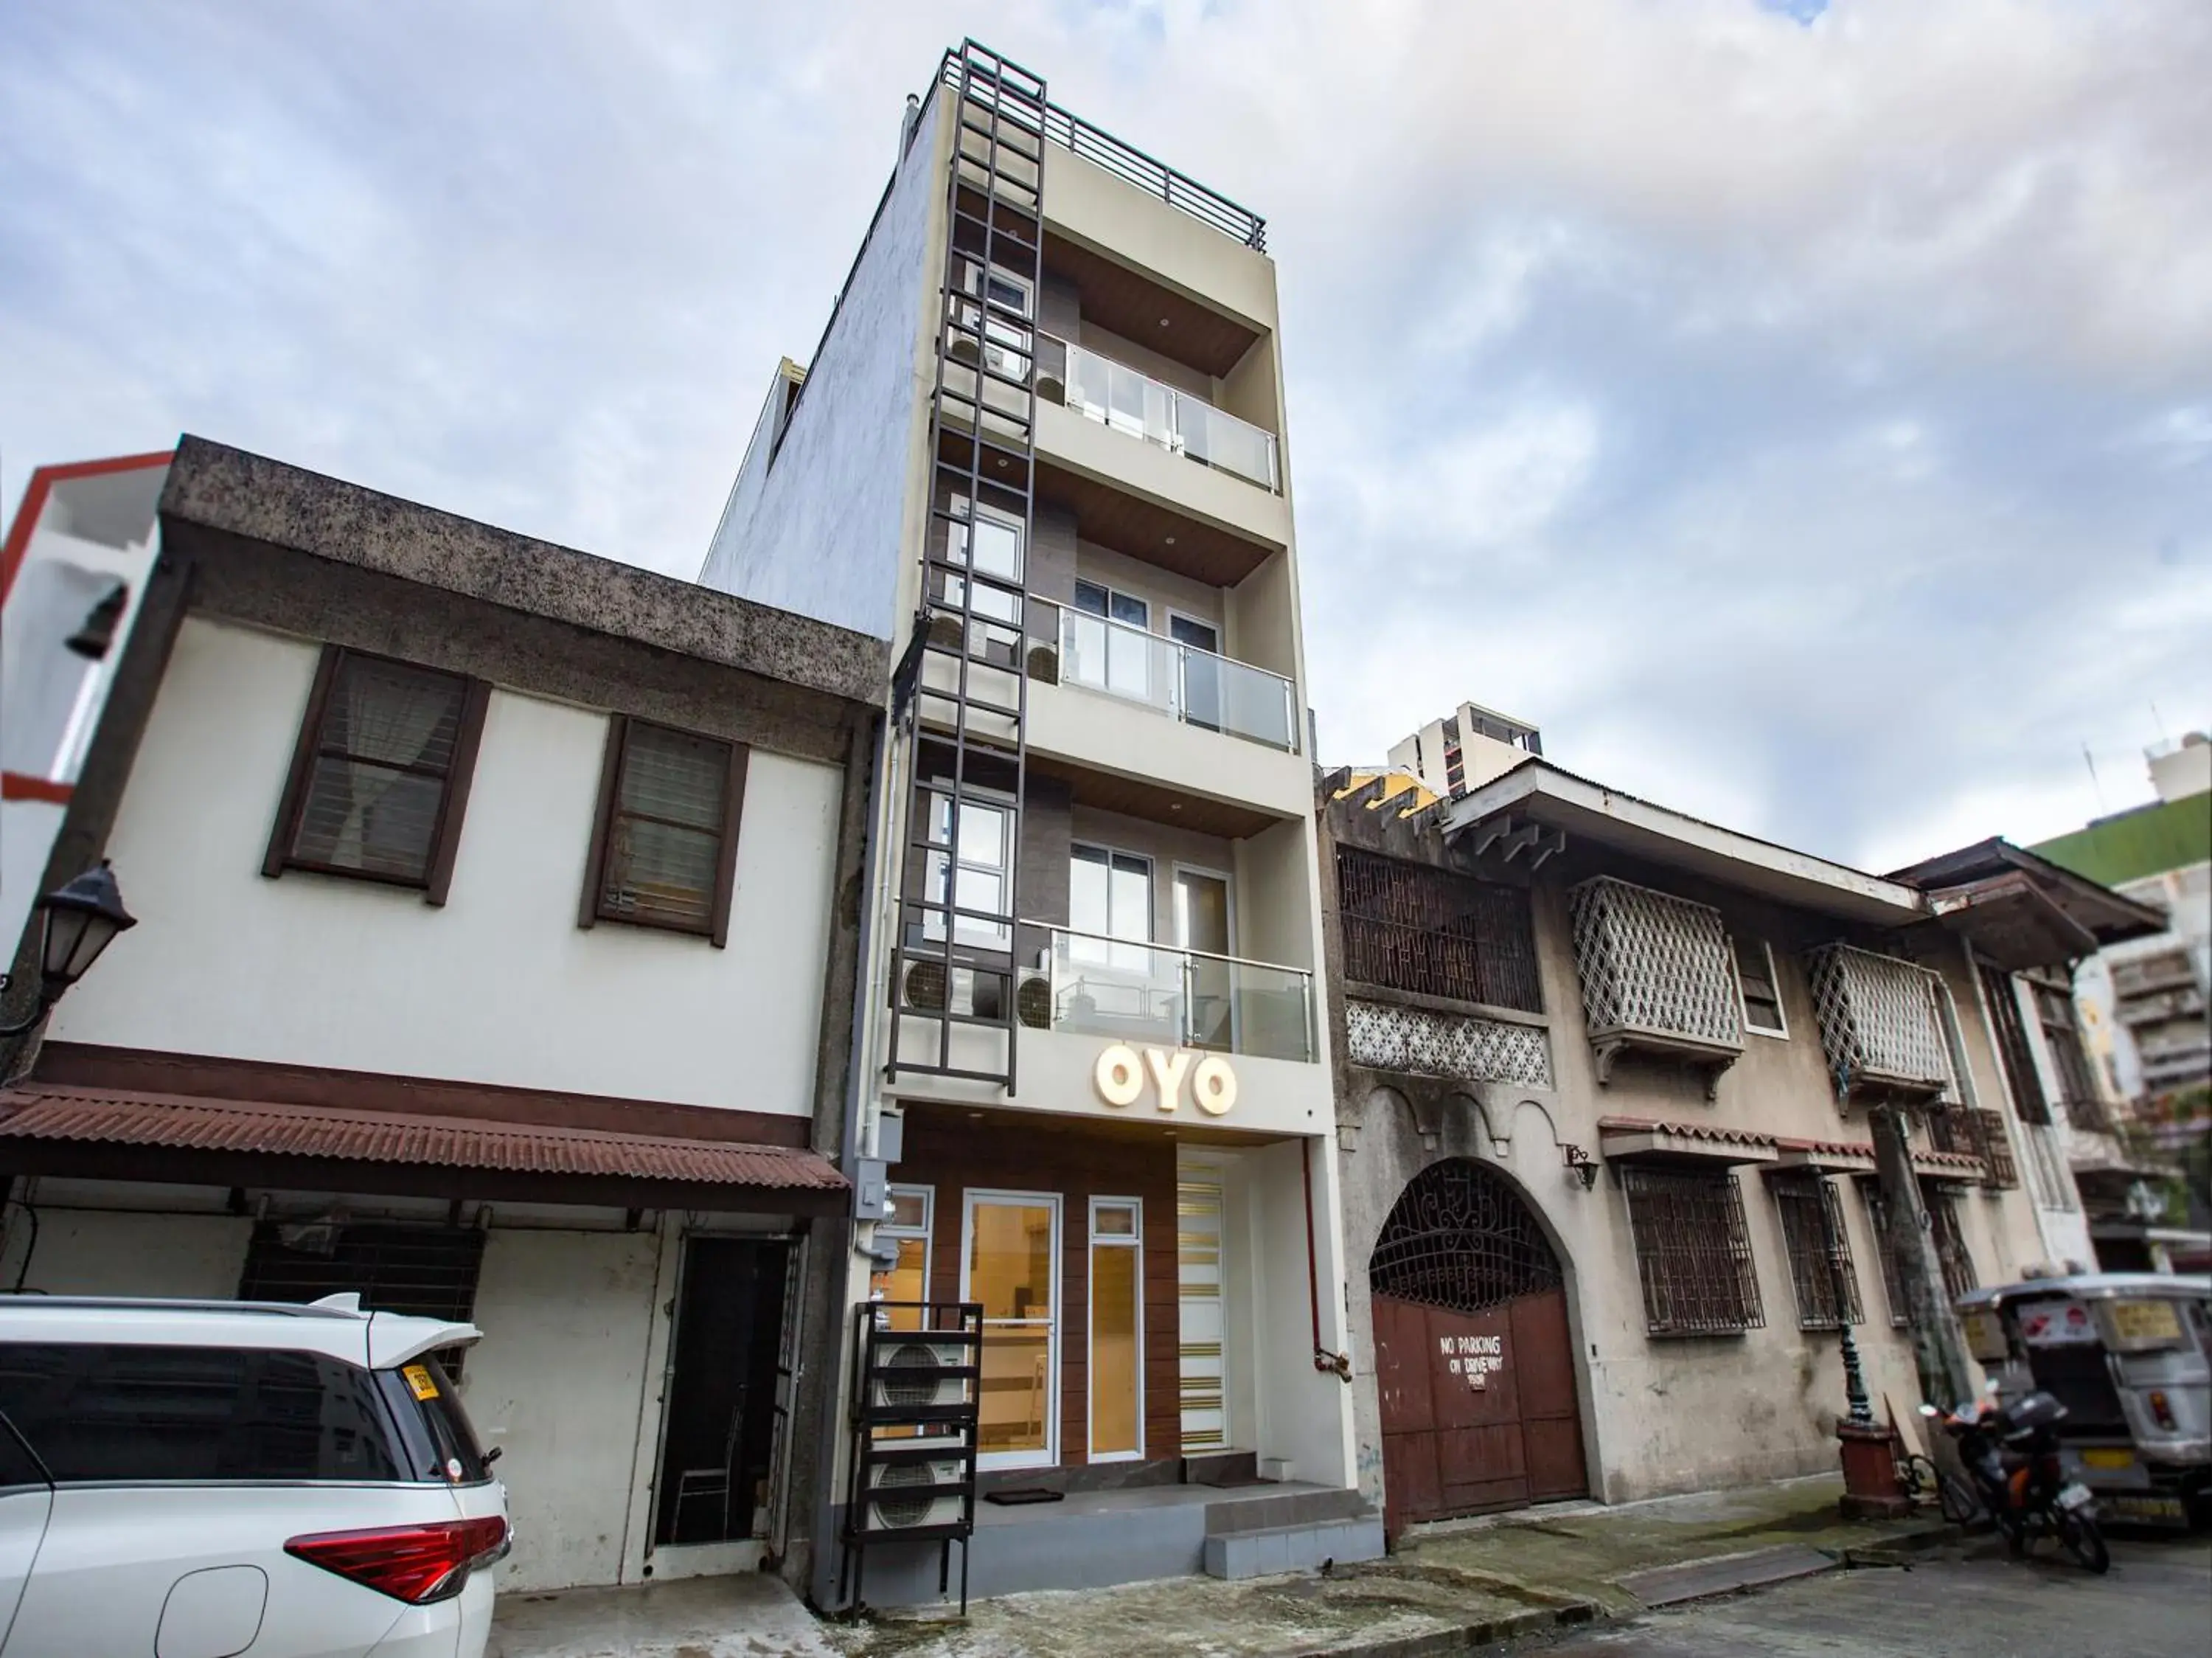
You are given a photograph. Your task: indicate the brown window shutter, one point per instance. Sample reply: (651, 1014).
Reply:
(460, 773)
(587, 911)
(303, 764)
(725, 873)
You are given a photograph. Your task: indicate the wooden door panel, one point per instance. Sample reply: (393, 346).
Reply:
(1555, 1459)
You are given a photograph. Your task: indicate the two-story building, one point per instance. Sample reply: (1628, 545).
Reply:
(1040, 450)
(1607, 1083)
(497, 924)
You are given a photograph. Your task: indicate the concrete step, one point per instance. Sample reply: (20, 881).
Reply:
(1265, 1510)
(1271, 1549)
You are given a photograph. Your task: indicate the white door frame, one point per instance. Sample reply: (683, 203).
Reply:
(1229, 893)
(1049, 1457)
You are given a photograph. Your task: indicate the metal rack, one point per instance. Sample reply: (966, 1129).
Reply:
(917, 1369)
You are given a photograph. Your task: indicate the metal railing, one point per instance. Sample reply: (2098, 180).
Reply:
(1134, 992)
(1182, 681)
(1130, 401)
(1155, 178)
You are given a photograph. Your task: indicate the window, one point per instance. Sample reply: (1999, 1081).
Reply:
(1117, 1334)
(158, 1414)
(379, 777)
(425, 1271)
(987, 542)
(1005, 340)
(971, 871)
(2013, 1052)
(907, 1225)
(1110, 641)
(1958, 1274)
(664, 842)
(1692, 1251)
(1820, 1251)
(1892, 1281)
(1413, 928)
(2054, 1011)
(1762, 990)
(1110, 896)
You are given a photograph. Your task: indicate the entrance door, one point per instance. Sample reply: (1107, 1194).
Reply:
(1474, 1362)
(1010, 1262)
(718, 1441)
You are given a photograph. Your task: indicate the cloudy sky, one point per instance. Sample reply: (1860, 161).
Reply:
(1802, 412)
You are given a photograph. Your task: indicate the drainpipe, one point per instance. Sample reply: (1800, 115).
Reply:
(1939, 1347)
(1327, 1363)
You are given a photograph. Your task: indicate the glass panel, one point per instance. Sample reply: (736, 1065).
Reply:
(1256, 704)
(1114, 1220)
(371, 818)
(909, 1206)
(1116, 1416)
(1133, 992)
(1202, 924)
(1010, 1271)
(1121, 397)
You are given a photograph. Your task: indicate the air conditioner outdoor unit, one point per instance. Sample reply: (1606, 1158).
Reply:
(892, 1509)
(886, 1387)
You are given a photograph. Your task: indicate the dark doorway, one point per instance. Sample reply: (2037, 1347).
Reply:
(720, 1416)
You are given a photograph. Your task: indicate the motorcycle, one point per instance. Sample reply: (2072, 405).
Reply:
(2010, 1451)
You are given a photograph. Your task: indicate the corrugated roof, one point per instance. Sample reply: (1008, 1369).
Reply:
(108, 1116)
(2148, 841)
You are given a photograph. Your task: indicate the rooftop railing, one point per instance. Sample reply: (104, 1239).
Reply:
(1184, 682)
(1133, 992)
(1130, 401)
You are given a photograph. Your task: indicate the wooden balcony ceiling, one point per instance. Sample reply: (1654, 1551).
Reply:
(1140, 797)
(1127, 523)
(1133, 306)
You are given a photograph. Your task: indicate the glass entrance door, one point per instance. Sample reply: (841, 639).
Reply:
(1010, 1263)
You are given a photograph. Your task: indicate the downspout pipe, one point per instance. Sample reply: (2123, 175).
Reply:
(1327, 1363)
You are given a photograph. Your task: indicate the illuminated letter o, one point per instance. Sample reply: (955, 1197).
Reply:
(1213, 1086)
(1120, 1076)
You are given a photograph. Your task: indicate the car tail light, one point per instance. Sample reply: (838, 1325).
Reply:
(2161, 1408)
(413, 1563)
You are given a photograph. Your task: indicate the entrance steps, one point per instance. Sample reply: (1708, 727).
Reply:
(1253, 1536)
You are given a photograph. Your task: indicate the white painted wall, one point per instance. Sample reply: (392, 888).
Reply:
(89, 1252)
(325, 971)
(557, 1383)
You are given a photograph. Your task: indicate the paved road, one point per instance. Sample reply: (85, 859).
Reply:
(2157, 1602)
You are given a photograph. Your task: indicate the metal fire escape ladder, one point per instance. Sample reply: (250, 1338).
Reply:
(954, 968)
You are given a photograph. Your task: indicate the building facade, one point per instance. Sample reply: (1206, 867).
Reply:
(494, 959)
(1040, 450)
(1608, 1080)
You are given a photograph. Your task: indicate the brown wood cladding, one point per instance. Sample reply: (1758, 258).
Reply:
(1133, 306)
(1141, 528)
(954, 1154)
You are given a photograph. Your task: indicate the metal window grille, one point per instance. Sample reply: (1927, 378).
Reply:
(1693, 1251)
(1880, 1020)
(1652, 962)
(427, 1272)
(1892, 1280)
(1415, 927)
(1994, 1146)
(1820, 1252)
(2014, 1054)
(1958, 1274)
(1446, 1044)
(1460, 1237)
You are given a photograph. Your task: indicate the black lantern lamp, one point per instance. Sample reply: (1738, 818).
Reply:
(80, 920)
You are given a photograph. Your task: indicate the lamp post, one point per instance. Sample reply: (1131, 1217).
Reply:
(80, 920)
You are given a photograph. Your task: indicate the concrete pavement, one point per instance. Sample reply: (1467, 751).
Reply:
(1957, 1602)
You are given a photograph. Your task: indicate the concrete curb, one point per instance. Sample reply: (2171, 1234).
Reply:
(1685, 1581)
(1470, 1637)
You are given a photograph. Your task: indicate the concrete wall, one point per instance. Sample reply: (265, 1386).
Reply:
(822, 529)
(324, 971)
(96, 1251)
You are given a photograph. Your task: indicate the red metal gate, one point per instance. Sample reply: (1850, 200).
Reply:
(1475, 1361)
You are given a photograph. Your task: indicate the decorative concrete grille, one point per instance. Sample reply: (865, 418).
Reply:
(1446, 1044)
(1820, 1252)
(1654, 963)
(1880, 1020)
(1693, 1252)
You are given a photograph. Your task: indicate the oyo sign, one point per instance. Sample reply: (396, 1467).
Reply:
(1121, 1074)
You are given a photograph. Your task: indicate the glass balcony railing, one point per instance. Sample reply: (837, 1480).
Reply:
(1181, 681)
(1114, 394)
(1147, 993)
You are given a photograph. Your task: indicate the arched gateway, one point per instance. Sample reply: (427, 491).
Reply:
(1473, 1359)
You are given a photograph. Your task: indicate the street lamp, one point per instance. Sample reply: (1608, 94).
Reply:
(80, 920)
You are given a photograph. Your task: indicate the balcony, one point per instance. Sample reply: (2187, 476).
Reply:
(1656, 977)
(1881, 1023)
(2160, 1007)
(1130, 401)
(1131, 991)
(1179, 681)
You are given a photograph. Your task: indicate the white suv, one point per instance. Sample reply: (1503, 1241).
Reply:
(201, 1479)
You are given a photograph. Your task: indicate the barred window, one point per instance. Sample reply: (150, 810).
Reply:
(1820, 1251)
(1693, 1252)
(1958, 1274)
(1892, 1282)
(2054, 1011)
(1411, 927)
(1995, 1147)
(2013, 1052)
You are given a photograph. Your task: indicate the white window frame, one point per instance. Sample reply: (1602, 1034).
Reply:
(1004, 355)
(1773, 978)
(937, 925)
(1049, 1456)
(1135, 1241)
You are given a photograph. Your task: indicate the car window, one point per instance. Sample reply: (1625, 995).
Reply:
(441, 1444)
(117, 1412)
(18, 1467)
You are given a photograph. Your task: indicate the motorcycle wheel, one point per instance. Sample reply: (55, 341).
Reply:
(1958, 1500)
(2082, 1538)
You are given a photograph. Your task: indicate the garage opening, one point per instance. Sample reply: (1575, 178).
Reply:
(1473, 1357)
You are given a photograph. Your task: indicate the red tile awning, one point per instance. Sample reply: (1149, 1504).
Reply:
(52, 1119)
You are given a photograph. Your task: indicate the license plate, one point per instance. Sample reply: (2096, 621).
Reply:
(2108, 1459)
(2072, 1496)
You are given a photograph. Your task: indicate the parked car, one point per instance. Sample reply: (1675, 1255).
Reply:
(202, 1479)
